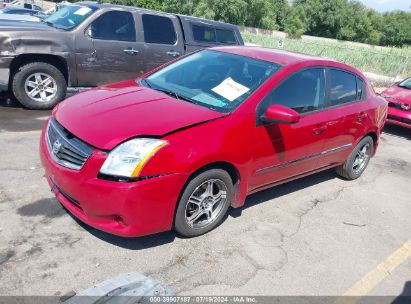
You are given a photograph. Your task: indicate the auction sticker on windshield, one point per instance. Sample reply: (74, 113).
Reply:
(82, 11)
(230, 89)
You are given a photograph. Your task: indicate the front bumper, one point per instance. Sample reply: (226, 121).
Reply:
(399, 117)
(124, 209)
(5, 72)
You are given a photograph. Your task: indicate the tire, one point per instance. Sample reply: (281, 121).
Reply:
(195, 199)
(358, 160)
(52, 85)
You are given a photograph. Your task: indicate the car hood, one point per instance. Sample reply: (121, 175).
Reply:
(397, 92)
(106, 116)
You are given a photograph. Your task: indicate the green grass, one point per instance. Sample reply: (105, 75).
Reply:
(389, 62)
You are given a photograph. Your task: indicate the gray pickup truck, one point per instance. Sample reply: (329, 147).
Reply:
(88, 44)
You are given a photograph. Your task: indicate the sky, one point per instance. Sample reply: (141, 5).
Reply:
(388, 5)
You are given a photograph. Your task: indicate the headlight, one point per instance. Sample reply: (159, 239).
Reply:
(128, 159)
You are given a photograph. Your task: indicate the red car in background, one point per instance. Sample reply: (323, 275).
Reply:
(180, 145)
(399, 103)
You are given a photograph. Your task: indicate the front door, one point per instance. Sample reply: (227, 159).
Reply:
(286, 150)
(113, 53)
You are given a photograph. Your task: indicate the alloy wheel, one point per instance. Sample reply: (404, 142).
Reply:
(40, 87)
(362, 158)
(206, 203)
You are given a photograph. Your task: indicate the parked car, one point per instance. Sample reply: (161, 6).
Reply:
(18, 10)
(23, 4)
(88, 44)
(181, 144)
(399, 103)
(23, 14)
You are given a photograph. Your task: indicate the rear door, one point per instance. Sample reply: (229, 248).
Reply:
(283, 151)
(162, 38)
(115, 53)
(347, 114)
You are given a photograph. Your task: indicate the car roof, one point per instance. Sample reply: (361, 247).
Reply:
(134, 8)
(272, 55)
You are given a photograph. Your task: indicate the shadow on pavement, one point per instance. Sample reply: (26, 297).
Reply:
(15, 118)
(284, 189)
(405, 296)
(398, 131)
(136, 243)
(169, 236)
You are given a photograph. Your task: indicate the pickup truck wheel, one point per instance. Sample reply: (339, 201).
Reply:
(355, 165)
(39, 86)
(203, 203)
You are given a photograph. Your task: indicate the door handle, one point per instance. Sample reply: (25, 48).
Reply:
(319, 129)
(173, 53)
(131, 51)
(362, 116)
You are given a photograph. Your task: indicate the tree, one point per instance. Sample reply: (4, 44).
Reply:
(295, 24)
(397, 29)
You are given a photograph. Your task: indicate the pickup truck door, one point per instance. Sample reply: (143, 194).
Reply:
(108, 51)
(162, 38)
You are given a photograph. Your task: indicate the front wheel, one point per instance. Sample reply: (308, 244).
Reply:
(39, 86)
(203, 203)
(355, 165)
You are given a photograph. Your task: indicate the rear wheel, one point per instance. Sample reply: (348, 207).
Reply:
(355, 165)
(204, 202)
(39, 85)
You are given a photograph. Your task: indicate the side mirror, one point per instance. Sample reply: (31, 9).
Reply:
(280, 114)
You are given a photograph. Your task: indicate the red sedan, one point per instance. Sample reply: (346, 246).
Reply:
(180, 145)
(399, 103)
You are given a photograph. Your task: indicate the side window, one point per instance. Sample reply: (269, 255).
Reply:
(207, 34)
(114, 25)
(225, 36)
(158, 29)
(343, 87)
(360, 89)
(303, 92)
(203, 33)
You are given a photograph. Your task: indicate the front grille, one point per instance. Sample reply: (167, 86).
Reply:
(400, 119)
(397, 106)
(66, 149)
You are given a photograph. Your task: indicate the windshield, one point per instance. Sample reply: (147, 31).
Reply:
(69, 16)
(213, 79)
(406, 84)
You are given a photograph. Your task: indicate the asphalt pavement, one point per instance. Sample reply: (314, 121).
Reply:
(319, 235)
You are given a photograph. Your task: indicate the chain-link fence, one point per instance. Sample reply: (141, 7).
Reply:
(381, 66)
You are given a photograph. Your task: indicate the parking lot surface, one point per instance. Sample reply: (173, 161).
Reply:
(316, 236)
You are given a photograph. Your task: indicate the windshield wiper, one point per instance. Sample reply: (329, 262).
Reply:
(168, 92)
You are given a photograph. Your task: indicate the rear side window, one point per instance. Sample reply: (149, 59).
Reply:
(303, 92)
(114, 25)
(207, 34)
(225, 36)
(360, 89)
(203, 33)
(343, 87)
(158, 29)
